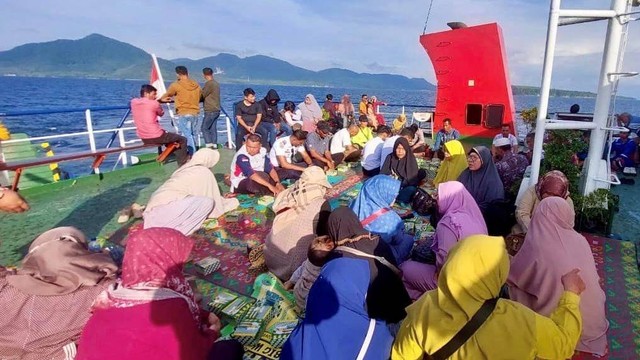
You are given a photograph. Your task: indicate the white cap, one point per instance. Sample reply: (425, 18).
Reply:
(633, 135)
(501, 141)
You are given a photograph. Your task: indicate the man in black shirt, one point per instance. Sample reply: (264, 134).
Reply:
(248, 115)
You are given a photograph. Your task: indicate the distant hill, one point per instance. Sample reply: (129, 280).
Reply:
(97, 56)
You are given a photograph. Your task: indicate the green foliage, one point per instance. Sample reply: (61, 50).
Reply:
(558, 152)
(529, 116)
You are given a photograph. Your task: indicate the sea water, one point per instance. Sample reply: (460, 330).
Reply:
(22, 94)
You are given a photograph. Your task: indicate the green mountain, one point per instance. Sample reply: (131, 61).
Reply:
(98, 56)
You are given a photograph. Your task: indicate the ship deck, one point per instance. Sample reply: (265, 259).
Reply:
(92, 204)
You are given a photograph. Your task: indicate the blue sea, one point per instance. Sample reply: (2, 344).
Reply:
(22, 94)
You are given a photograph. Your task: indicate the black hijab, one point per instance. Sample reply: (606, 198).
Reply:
(484, 184)
(406, 168)
(344, 224)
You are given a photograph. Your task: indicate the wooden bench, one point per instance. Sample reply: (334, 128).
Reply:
(98, 158)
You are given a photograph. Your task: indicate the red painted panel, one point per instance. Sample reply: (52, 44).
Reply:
(471, 68)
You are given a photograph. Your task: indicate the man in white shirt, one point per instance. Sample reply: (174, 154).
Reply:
(341, 143)
(387, 147)
(289, 157)
(506, 134)
(371, 152)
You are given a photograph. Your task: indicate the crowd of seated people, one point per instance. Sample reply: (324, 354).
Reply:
(351, 269)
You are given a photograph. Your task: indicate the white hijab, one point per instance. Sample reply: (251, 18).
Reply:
(194, 179)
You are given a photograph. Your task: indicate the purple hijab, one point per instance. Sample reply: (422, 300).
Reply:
(461, 218)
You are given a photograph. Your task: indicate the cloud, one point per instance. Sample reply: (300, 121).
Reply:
(363, 36)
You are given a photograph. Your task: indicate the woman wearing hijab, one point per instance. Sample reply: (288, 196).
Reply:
(336, 324)
(373, 207)
(473, 274)
(552, 248)
(299, 218)
(483, 183)
(460, 218)
(346, 110)
(454, 163)
(152, 312)
(47, 302)
(553, 183)
(402, 165)
(189, 196)
(311, 113)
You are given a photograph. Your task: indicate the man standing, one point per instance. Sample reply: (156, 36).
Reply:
(211, 99)
(445, 134)
(510, 166)
(289, 157)
(505, 134)
(341, 146)
(372, 153)
(317, 145)
(187, 102)
(362, 108)
(145, 111)
(270, 118)
(251, 170)
(248, 115)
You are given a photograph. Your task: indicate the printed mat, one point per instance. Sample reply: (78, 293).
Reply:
(618, 268)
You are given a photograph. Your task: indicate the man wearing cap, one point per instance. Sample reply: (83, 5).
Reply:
(623, 151)
(510, 166)
(317, 145)
(365, 133)
(505, 134)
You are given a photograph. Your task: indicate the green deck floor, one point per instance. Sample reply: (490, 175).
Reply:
(89, 203)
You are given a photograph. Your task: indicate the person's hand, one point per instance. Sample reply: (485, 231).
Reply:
(331, 165)
(279, 187)
(572, 281)
(288, 285)
(11, 201)
(214, 324)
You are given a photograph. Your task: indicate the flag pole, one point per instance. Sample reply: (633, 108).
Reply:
(163, 90)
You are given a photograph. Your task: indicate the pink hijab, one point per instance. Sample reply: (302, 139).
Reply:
(152, 270)
(551, 249)
(460, 215)
(311, 113)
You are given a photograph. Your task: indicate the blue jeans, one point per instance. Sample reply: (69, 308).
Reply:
(286, 129)
(210, 127)
(185, 126)
(269, 129)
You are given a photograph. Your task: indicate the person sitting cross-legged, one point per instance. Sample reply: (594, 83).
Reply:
(317, 145)
(251, 170)
(289, 157)
(341, 144)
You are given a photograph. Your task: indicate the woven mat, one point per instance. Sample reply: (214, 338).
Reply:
(618, 269)
(229, 241)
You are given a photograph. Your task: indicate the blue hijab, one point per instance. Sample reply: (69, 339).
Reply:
(378, 193)
(336, 322)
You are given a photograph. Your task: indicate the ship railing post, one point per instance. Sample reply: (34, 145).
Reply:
(229, 136)
(545, 88)
(603, 99)
(123, 143)
(92, 139)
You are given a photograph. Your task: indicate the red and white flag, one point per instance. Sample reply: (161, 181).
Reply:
(155, 79)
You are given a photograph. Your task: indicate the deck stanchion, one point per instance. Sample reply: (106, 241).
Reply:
(92, 139)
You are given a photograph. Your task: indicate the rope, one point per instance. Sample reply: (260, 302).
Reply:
(424, 30)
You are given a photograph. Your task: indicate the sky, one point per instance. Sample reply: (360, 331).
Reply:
(374, 36)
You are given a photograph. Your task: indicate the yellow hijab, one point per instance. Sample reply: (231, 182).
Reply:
(453, 166)
(474, 272)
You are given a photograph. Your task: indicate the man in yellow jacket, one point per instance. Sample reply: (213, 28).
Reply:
(186, 93)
